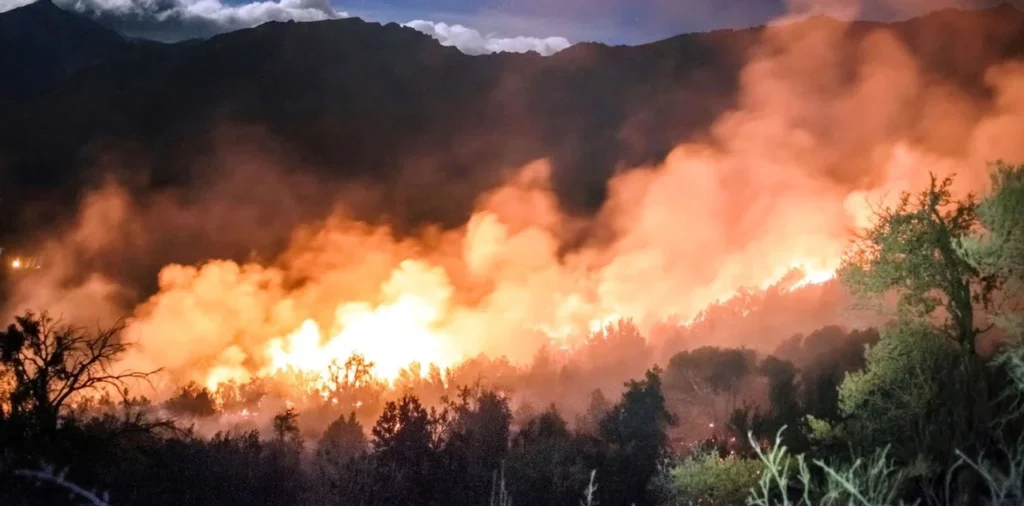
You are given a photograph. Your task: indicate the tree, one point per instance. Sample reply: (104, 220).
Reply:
(547, 464)
(351, 386)
(998, 253)
(484, 424)
(589, 422)
(50, 365)
(636, 429)
(340, 460)
(705, 377)
(915, 250)
(192, 400)
(784, 409)
(344, 439)
(406, 445)
(829, 355)
(286, 427)
(909, 396)
(476, 445)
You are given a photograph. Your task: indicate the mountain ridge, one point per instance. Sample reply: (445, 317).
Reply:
(34, 58)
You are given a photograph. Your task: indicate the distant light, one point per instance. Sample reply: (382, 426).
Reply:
(16, 263)
(712, 425)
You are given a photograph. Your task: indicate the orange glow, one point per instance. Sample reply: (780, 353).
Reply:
(392, 335)
(488, 288)
(768, 198)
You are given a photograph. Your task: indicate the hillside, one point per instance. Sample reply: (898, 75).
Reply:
(352, 100)
(41, 45)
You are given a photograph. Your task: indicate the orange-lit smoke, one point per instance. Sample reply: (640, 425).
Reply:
(825, 124)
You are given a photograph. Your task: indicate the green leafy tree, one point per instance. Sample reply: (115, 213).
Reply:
(953, 264)
(998, 252)
(909, 396)
(915, 251)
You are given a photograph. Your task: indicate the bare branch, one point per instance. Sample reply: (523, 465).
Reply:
(46, 475)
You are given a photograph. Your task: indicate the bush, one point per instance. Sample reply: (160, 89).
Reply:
(707, 478)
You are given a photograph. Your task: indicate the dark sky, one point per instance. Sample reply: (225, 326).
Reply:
(614, 22)
(624, 21)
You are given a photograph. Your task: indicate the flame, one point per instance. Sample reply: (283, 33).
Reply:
(392, 335)
(768, 199)
(815, 277)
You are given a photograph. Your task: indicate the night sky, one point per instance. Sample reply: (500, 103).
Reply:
(623, 21)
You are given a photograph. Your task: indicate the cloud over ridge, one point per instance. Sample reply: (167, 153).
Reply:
(175, 20)
(472, 42)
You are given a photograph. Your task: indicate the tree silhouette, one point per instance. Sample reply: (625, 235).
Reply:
(285, 425)
(192, 400)
(405, 449)
(351, 386)
(636, 428)
(49, 365)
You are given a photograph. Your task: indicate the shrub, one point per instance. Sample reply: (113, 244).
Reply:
(707, 478)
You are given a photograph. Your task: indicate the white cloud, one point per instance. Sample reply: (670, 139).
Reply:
(472, 42)
(174, 20)
(170, 20)
(6, 5)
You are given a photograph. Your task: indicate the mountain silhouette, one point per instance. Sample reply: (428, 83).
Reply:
(40, 45)
(350, 100)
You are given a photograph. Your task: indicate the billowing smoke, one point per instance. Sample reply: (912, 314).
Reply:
(829, 119)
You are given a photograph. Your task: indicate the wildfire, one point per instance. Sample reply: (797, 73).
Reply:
(392, 335)
(406, 328)
(497, 287)
(768, 197)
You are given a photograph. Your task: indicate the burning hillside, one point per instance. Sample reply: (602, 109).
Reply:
(497, 286)
(825, 124)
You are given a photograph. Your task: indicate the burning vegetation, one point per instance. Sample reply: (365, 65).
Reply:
(662, 342)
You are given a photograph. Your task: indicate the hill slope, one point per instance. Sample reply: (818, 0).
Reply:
(348, 100)
(41, 45)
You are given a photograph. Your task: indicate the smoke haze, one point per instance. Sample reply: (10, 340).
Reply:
(828, 119)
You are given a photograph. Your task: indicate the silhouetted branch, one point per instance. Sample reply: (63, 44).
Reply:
(47, 475)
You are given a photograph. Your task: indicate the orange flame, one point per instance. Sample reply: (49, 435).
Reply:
(392, 335)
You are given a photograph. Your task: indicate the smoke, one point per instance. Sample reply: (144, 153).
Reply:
(472, 42)
(830, 117)
(61, 286)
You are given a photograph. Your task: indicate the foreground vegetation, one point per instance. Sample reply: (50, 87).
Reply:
(929, 409)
